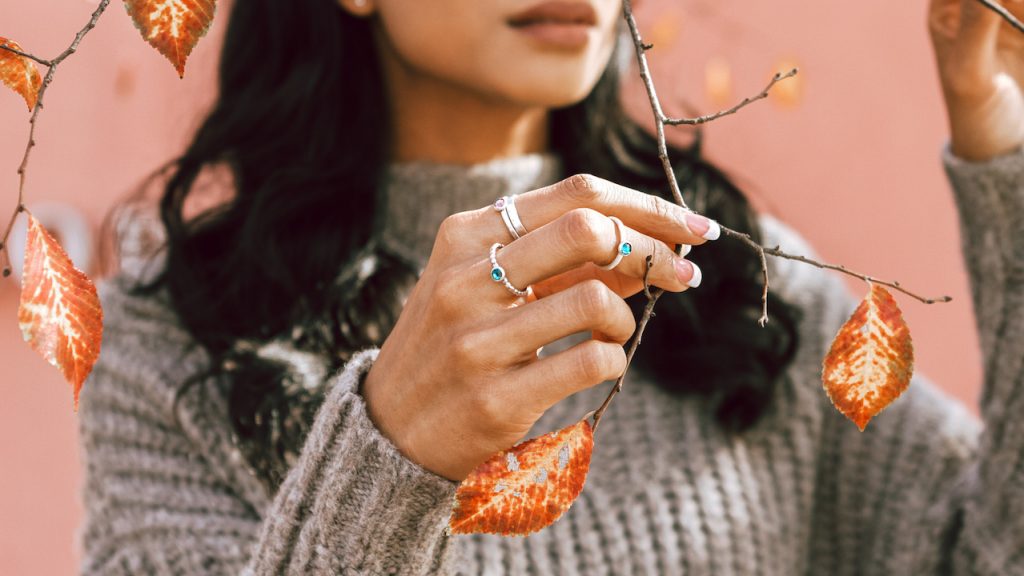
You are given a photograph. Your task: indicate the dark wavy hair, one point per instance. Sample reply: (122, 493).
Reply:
(302, 123)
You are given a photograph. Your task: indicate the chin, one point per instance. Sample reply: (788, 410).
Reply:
(549, 82)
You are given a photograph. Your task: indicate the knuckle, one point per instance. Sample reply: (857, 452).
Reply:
(593, 298)
(661, 208)
(583, 187)
(598, 361)
(584, 228)
(466, 350)
(486, 405)
(447, 295)
(450, 231)
(626, 325)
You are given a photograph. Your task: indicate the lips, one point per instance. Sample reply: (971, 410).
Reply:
(557, 24)
(556, 12)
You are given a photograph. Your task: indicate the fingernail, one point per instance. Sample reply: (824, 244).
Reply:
(688, 272)
(687, 247)
(706, 227)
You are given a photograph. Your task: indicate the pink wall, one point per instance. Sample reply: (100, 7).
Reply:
(854, 165)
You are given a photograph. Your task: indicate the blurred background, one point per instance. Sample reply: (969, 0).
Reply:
(848, 153)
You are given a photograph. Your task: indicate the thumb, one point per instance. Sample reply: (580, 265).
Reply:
(977, 38)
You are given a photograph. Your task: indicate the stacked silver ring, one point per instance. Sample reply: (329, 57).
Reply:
(498, 273)
(623, 248)
(506, 205)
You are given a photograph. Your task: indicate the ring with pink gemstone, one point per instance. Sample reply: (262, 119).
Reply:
(506, 206)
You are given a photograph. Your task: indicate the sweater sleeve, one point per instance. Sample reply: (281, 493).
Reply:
(926, 488)
(990, 199)
(169, 494)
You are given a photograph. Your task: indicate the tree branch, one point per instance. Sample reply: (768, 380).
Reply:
(660, 122)
(5, 255)
(998, 9)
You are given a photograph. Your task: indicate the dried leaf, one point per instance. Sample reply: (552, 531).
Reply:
(527, 487)
(60, 314)
(19, 73)
(173, 27)
(871, 359)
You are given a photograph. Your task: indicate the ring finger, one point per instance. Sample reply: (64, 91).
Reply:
(584, 236)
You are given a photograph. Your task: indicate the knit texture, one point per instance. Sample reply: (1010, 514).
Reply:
(926, 489)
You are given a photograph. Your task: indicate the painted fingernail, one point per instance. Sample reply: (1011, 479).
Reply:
(686, 249)
(706, 227)
(688, 272)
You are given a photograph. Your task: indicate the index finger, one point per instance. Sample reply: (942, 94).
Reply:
(651, 215)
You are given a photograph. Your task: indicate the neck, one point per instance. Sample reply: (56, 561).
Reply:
(435, 120)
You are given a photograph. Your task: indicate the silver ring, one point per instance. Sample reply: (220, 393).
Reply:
(506, 206)
(498, 273)
(513, 216)
(623, 248)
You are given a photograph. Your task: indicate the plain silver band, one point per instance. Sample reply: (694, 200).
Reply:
(504, 275)
(618, 242)
(513, 215)
(508, 223)
(504, 216)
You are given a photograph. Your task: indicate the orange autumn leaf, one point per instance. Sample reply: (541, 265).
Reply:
(527, 487)
(60, 314)
(173, 27)
(19, 73)
(871, 359)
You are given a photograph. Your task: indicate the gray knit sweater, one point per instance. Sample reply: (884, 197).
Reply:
(925, 489)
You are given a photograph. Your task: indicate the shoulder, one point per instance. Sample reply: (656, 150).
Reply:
(145, 352)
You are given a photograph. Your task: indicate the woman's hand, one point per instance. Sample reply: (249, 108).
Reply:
(459, 377)
(981, 65)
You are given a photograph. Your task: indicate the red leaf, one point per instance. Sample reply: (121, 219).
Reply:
(173, 27)
(527, 487)
(60, 314)
(871, 359)
(19, 73)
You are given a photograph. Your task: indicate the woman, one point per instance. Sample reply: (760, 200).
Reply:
(261, 407)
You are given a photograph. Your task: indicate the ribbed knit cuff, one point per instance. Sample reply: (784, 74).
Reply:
(356, 504)
(990, 198)
(403, 509)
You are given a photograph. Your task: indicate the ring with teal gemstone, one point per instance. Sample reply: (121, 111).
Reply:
(624, 248)
(498, 273)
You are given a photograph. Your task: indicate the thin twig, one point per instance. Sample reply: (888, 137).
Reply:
(778, 77)
(991, 5)
(5, 255)
(652, 297)
(652, 95)
(661, 121)
(46, 63)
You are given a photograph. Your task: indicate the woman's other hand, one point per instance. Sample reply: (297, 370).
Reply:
(459, 377)
(980, 59)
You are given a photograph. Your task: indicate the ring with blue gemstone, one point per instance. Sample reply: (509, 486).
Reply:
(498, 273)
(624, 248)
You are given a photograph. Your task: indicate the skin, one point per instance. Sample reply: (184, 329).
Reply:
(459, 377)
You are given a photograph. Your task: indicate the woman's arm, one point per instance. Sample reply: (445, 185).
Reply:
(166, 496)
(990, 198)
(980, 61)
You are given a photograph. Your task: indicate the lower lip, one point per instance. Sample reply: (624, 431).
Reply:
(557, 35)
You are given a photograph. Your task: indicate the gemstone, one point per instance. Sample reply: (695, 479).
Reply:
(625, 248)
(497, 274)
(500, 204)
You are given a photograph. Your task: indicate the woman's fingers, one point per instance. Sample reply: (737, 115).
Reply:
(580, 236)
(552, 378)
(589, 305)
(649, 214)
